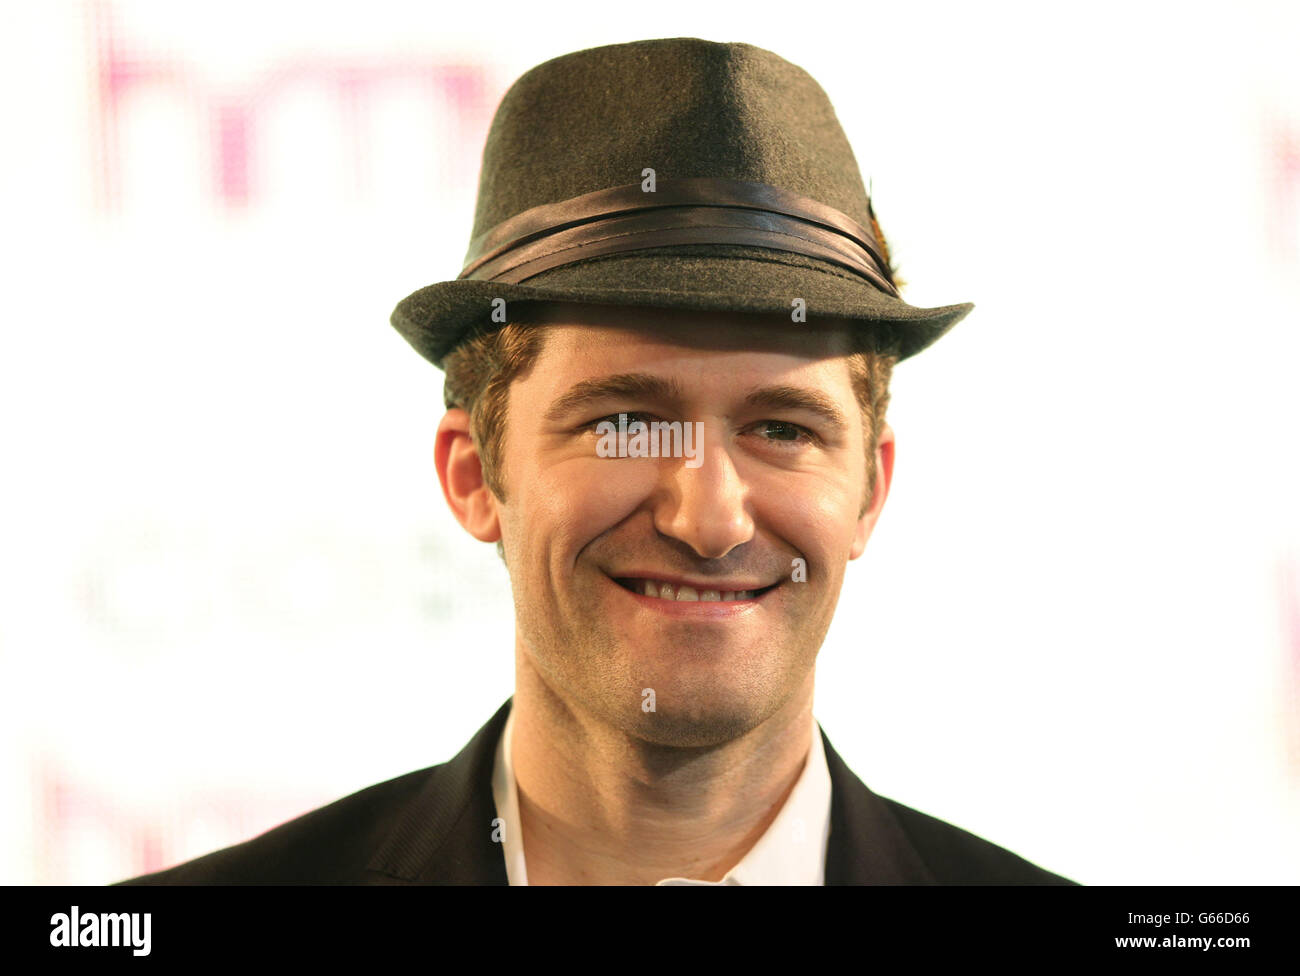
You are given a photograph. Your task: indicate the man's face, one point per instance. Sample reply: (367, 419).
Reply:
(778, 477)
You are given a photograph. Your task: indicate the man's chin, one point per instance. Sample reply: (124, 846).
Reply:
(693, 733)
(687, 720)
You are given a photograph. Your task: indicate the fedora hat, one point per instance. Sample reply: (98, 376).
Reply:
(671, 173)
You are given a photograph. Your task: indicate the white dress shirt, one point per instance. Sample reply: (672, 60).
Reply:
(792, 851)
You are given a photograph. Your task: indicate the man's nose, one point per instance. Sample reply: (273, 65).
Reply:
(705, 506)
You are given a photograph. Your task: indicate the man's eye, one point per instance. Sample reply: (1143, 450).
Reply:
(775, 431)
(785, 432)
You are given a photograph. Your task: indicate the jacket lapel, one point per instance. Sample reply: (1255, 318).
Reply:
(866, 844)
(445, 834)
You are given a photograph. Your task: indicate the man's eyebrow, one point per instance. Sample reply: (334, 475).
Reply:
(643, 386)
(799, 398)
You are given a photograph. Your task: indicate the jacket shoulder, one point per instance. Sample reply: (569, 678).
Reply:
(956, 856)
(331, 844)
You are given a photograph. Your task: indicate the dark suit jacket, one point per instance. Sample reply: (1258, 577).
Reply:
(435, 825)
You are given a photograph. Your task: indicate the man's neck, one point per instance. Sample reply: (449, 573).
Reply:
(601, 806)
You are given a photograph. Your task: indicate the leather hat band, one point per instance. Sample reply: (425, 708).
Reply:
(698, 210)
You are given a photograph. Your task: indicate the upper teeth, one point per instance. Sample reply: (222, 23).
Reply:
(671, 591)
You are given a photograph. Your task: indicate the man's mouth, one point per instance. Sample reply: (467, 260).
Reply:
(681, 593)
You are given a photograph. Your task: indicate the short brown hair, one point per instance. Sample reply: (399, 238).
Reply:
(480, 371)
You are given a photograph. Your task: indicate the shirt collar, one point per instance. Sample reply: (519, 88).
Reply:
(792, 851)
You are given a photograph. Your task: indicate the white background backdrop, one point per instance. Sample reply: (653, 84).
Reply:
(230, 590)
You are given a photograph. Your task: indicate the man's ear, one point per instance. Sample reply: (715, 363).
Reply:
(884, 474)
(460, 469)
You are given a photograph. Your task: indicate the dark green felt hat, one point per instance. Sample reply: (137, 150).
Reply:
(671, 173)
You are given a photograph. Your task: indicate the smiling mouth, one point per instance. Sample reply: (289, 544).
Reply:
(687, 594)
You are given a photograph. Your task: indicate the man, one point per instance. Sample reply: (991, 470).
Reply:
(667, 364)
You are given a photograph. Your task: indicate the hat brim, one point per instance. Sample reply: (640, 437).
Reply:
(436, 319)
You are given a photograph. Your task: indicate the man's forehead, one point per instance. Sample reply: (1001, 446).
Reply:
(593, 355)
(608, 329)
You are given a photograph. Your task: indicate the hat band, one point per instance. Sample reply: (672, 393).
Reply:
(698, 210)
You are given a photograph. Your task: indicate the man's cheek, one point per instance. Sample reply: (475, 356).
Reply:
(561, 512)
(603, 492)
